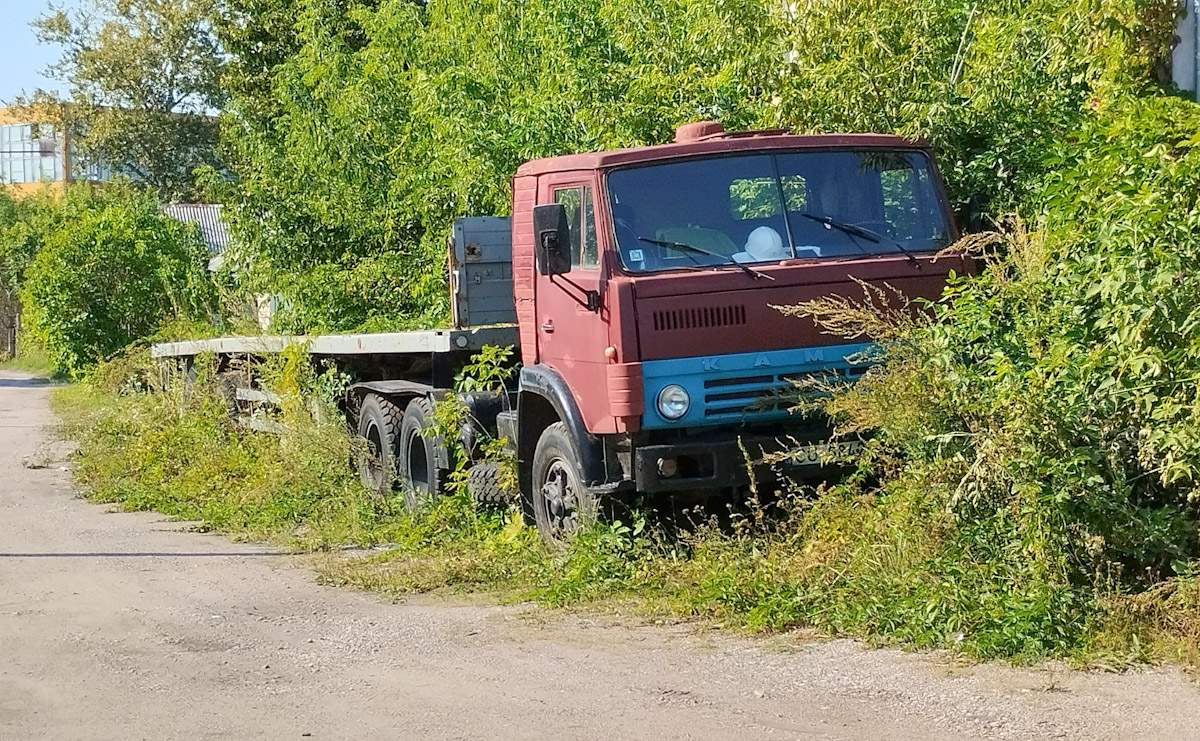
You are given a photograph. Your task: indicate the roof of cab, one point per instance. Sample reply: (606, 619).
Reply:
(720, 144)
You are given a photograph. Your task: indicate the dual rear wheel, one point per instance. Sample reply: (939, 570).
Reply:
(401, 454)
(399, 451)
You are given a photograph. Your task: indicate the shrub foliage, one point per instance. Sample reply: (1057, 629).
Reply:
(112, 271)
(1044, 420)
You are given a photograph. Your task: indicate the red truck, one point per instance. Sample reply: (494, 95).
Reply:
(639, 285)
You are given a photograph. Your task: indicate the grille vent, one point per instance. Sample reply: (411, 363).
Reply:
(701, 317)
(750, 396)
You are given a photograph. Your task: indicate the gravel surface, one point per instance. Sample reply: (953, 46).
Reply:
(124, 626)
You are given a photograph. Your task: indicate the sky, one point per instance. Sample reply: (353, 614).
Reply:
(22, 58)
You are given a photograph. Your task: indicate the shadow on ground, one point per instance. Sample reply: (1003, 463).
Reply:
(24, 382)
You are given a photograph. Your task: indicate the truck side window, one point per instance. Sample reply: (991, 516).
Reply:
(590, 256)
(582, 221)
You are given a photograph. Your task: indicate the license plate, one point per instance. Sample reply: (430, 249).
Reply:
(826, 453)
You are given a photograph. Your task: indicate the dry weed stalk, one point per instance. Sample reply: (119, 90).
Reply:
(883, 314)
(1025, 250)
(976, 246)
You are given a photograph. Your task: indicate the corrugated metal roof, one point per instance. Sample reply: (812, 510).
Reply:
(207, 216)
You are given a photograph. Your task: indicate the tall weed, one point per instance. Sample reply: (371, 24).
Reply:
(1034, 440)
(901, 565)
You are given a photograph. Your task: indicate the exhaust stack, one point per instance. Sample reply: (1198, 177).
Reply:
(694, 132)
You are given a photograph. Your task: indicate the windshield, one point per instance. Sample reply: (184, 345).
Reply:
(768, 207)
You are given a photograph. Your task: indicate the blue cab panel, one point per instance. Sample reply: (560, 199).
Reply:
(741, 387)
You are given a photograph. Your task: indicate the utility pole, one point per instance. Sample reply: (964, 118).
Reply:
(66, 155)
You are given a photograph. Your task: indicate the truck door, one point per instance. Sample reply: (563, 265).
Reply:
(572, 338)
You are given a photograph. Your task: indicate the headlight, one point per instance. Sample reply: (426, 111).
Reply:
(674, 402)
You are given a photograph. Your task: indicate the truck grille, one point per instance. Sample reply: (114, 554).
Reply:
(700, 317)
(763, 395)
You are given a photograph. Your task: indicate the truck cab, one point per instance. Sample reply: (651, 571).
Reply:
(646, 283)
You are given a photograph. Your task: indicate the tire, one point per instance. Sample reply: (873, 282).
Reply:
(379, 422)
(226, 388)
(486, 484)
(562, 506)
(421, 478)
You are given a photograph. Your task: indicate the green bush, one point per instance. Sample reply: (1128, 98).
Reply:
(111, 274)
(26, 221)
(1042, 427)
(360, 132)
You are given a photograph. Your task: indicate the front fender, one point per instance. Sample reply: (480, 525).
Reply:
(546, 383)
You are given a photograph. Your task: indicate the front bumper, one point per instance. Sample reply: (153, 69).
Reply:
(724, 464)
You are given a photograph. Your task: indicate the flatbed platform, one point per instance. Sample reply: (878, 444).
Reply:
(420, 341)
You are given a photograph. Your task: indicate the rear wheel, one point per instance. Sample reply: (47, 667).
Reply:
(379, 422)
(227, 386)
(421, 476)
(488, 485)
(562, 505)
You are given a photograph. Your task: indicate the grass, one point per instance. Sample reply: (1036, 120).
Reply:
(890, 567)
(30, 361)
(179, 454)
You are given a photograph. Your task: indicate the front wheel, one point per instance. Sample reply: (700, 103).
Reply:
(562, 505)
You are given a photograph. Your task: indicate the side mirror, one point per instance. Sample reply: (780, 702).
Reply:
(553, 239)
(973, 218)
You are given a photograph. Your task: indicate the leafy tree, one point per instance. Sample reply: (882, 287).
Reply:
(110, 275)
(144, 76)
(993, 85)
(258, 36)
(26, 223)
(388, 119)
(360, 128)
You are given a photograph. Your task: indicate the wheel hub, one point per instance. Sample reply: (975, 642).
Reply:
(562, 498)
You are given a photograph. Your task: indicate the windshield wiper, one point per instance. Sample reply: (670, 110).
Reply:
(860, 231)
(682, 247)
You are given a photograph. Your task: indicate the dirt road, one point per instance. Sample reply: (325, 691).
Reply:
(123, 626)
